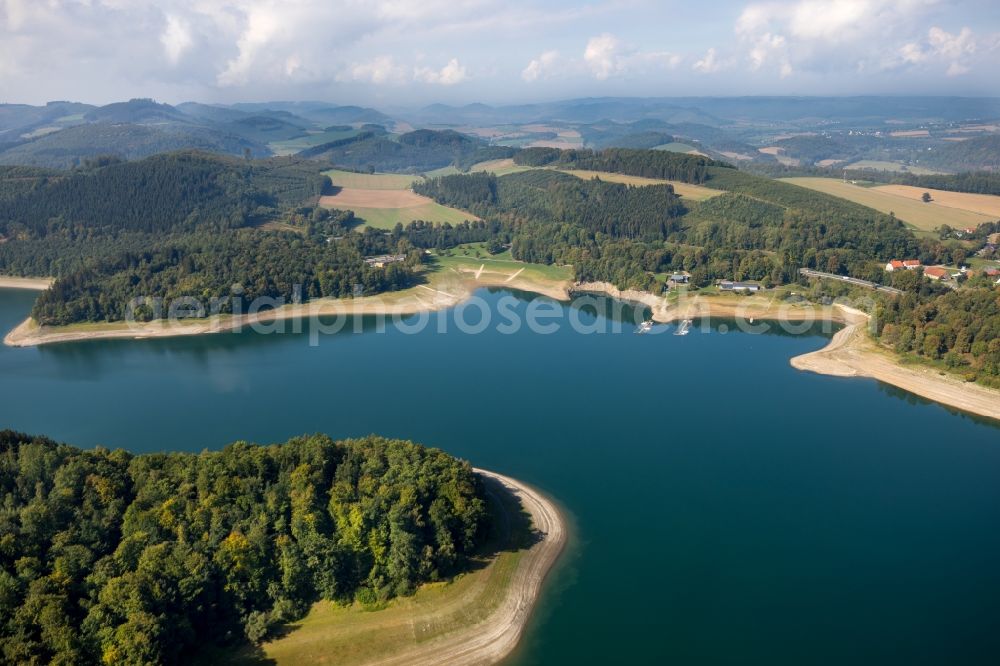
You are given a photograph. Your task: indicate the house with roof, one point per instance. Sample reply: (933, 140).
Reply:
(937, 273)
(678, 279)
(898, 265)
(730, 285)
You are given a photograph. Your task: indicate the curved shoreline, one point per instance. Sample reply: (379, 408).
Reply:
(851, 353)
(496, 637)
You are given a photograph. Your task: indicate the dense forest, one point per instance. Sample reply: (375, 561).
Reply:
(957, 328)
(114, 558)
(183, 224)
(646, 163)
(420, 150)
(206, 266)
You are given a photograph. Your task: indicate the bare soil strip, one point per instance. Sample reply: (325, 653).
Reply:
(36, 284)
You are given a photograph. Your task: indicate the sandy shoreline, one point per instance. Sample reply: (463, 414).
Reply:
(440, 294)
(33, 283)
(493, 639)
(851, 353)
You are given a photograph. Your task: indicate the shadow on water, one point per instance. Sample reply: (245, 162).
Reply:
(920, 401)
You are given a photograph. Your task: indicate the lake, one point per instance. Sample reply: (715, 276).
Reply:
(726, 508)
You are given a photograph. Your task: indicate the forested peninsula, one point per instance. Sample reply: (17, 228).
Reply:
(114, 558)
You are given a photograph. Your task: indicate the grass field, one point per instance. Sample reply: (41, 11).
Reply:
(464, 258)
(371, 181)
(878, 165)
(676, 147)
(387, 218)
(922, 216)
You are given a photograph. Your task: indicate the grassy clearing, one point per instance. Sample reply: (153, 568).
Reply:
(371, 181)
(463, 258)
(443, 171)
(897, 167)
(692, 192)
(676, 147)
(500, 167)
(387, 218)
(922, 216)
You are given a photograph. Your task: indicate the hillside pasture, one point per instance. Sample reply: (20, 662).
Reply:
(919, 215)
(371, 181)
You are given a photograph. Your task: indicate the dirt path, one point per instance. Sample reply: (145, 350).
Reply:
(851, 353)
(496, 637)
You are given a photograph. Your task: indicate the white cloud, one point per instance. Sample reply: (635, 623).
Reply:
(824, 36)
(379, 70)
(940, 46)
(605, 56)
(449, 75)
(601, 55)
(709, 63)
(176, 38)
(541, 67)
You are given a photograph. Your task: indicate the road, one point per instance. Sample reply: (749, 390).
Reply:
(808, 272)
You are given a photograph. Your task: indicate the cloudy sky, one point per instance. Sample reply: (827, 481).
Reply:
(411, 52)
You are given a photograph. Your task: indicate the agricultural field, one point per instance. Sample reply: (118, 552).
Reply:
(895, 167)
(371, 181)
(382, 200)
(920, 215)
(985, 204)
(385, 208)
(692, 192)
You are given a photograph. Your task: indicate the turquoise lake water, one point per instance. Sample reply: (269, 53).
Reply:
(726, 508)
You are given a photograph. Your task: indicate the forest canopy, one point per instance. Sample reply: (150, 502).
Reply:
(114, 558)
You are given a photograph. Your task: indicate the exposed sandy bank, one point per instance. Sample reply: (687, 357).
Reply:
(494, 638)
(37, 284)
(852, 353)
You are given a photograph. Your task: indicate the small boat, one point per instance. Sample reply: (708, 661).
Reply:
(645, 327)
(684, 328)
